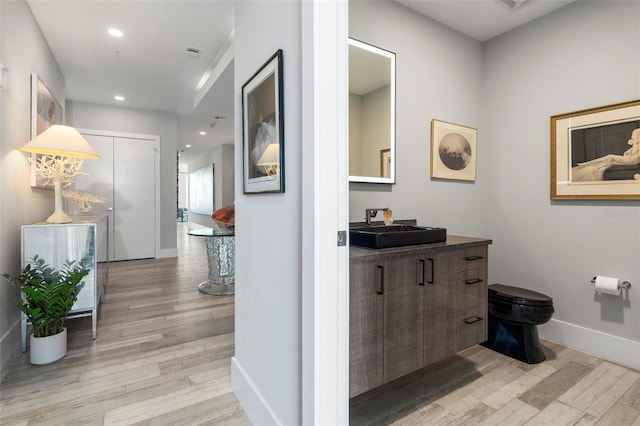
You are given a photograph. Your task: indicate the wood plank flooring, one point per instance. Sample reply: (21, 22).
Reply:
(162, 357)
(481, 387)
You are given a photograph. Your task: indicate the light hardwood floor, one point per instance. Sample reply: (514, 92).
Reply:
(162, 357)
(481, 387)
(162, 354)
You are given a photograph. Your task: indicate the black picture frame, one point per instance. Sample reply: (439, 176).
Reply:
(263, 129)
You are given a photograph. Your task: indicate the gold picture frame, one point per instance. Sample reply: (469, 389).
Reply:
(595, 153)
(453, 151)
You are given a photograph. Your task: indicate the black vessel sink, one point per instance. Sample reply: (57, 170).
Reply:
(378, 237)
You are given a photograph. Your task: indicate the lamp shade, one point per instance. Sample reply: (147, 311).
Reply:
(59, 140)
(270, 156)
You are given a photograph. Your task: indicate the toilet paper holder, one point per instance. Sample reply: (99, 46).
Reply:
(623, 284)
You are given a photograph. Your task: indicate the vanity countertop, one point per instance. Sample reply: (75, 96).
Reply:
(453, 242)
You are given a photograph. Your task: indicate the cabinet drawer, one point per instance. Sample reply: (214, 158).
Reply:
(470, 328)
(469, 289)
(470, 258)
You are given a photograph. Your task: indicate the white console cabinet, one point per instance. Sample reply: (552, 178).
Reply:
(85, 238)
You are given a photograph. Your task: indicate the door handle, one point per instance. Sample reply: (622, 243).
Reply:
(431, 262)
(473, 281)
(420, 269)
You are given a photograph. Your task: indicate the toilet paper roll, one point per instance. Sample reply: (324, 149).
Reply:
(608, 285)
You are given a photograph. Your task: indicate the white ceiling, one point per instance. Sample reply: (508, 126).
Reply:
(483, 19)
(148, 65)
(150, 68)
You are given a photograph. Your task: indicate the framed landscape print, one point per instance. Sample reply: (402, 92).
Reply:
(453, 151)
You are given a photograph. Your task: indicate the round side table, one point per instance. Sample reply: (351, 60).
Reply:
(221, 252)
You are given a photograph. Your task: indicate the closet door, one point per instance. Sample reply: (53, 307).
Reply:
(97, 178)
(125, 177)
(134, 198)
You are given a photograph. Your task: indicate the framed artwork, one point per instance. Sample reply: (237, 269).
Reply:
(453, 151)
(385, 163)
(595, 153)
(263, 129)
(45, 112)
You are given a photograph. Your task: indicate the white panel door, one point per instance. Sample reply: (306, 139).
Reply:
(134, 198)
(125, 176)
(97, 178)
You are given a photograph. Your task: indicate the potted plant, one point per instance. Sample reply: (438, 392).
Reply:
(47, 296)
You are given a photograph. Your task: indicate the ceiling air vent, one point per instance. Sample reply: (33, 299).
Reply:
(514, 4)
(192, 51)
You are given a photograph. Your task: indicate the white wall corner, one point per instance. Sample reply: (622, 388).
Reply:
(250, 397)
(613, 348)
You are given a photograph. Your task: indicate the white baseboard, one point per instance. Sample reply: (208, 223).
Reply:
(162, 253)
(617, 349)
(250, 397)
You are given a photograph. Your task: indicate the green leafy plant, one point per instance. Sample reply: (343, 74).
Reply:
(48, 294)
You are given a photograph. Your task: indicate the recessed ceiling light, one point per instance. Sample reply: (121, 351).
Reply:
(118, 98)
(115, 32)
(203, 133)
(187, 146)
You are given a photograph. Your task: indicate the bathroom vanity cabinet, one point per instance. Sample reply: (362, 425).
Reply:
(413, 306)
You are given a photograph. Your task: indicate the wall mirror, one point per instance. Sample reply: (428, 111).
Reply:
(372, 117)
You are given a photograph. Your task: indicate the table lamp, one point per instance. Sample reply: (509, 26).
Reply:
(270, 159)
(62, 149)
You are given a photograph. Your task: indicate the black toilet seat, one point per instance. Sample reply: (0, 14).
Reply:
(504, 294)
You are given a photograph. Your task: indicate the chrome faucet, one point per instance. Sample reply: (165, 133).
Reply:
(371, 213)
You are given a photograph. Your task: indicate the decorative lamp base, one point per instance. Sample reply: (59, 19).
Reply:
(59, 217)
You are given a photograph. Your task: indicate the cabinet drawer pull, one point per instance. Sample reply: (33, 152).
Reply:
(472, 320)
(472, 258)
(473, 281)
(380, 282)
(431, 261)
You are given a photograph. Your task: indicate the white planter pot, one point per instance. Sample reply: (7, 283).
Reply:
(45, 350)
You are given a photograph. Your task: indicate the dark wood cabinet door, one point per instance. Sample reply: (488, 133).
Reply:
(403, 316)
(366, 327)
(437, 327)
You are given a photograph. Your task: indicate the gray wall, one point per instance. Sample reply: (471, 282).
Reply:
(102, 117)
(438, 75)
(24, 50)
(582, 56)
(267, 359)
